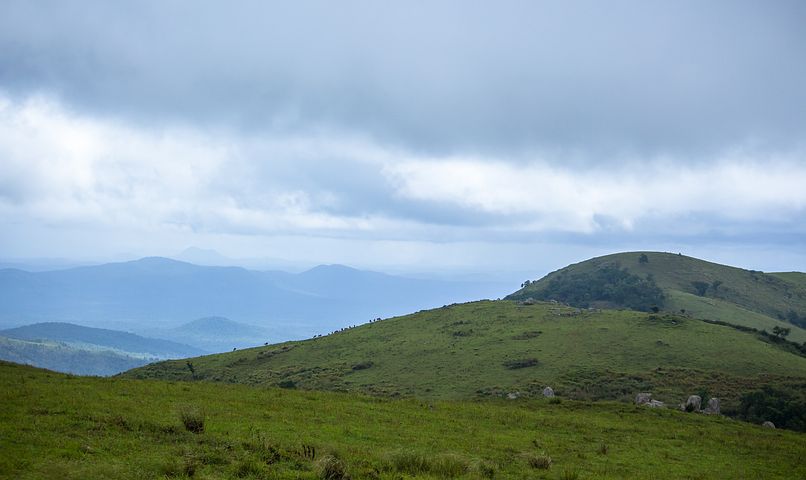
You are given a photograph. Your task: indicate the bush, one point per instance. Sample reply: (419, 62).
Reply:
(192, 418)
(784, 409)
(520, 363)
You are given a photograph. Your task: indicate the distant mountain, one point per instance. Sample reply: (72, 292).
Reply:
(216, 334)
(80, 336)
(677, 283)
(159, 293)
(63, 357)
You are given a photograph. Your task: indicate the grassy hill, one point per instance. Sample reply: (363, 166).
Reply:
(699, 288)
(491, 348)
(58, 426)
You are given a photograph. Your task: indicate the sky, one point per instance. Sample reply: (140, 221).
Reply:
(433, 137)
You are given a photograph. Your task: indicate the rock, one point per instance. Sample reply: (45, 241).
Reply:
(548, 392)
(713, 407)
(513, 395)
(768, 424)
(643, 398)
(693, 404)
(655, 404)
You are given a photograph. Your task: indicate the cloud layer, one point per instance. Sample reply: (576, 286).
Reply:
(392, 134)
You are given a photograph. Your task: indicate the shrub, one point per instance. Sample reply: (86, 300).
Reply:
(330, 467)
(363, 365)
(520, 363)
(287, 383)
(192, 418)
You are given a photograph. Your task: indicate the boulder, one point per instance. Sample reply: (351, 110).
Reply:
(655, 404)
(548, 392)
(643, 398)
(713, 406)
(768, 424)
(693, 404)
(513, 395)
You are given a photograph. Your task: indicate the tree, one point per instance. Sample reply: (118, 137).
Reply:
(526, 283)
(715, 285)
(643, 258)
(780, 331)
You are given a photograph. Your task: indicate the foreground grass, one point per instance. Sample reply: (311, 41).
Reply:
(57, 426)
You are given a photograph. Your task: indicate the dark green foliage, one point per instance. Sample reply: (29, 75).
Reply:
(363, 365)
(700, 287)
(643, 258)
(287, 384)
(781, 331)
(795, 319)
(783, 408)
(608, 284)
(520, 363)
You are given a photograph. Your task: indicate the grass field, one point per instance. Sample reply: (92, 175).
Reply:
(474, 350)
(58, 426)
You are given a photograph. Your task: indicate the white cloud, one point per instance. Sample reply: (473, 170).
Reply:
(68, 171)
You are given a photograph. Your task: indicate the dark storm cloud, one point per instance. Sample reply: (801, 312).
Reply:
(684, 78)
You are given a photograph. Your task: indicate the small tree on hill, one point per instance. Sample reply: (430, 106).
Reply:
(780, 331)
(643, 258)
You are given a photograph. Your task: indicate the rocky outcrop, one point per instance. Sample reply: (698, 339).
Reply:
(768, 424)
(548, 392)
(713, 406)
(693, 403)
(643, 398)
(655, 404)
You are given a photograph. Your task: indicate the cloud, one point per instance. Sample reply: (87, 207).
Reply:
(68, 169)
(438, 78)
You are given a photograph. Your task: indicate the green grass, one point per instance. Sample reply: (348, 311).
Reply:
(744, 297)
(491, 348)
(58, 426)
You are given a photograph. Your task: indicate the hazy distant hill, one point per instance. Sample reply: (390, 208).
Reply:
(69, 348)
(67, 358)
(216, 334)
(99, 337)
(697, 287)
(159, 293)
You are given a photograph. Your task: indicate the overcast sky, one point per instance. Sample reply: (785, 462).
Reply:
(421, 137)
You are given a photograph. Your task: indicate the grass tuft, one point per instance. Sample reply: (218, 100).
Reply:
(192, 418)
(330, 467)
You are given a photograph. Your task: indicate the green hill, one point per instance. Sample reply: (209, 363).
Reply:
(491, 348)
(58, 426)
(677, 283)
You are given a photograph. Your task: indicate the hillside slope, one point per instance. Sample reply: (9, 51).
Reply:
(54, 426)
(697, 287)
(491, 348)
